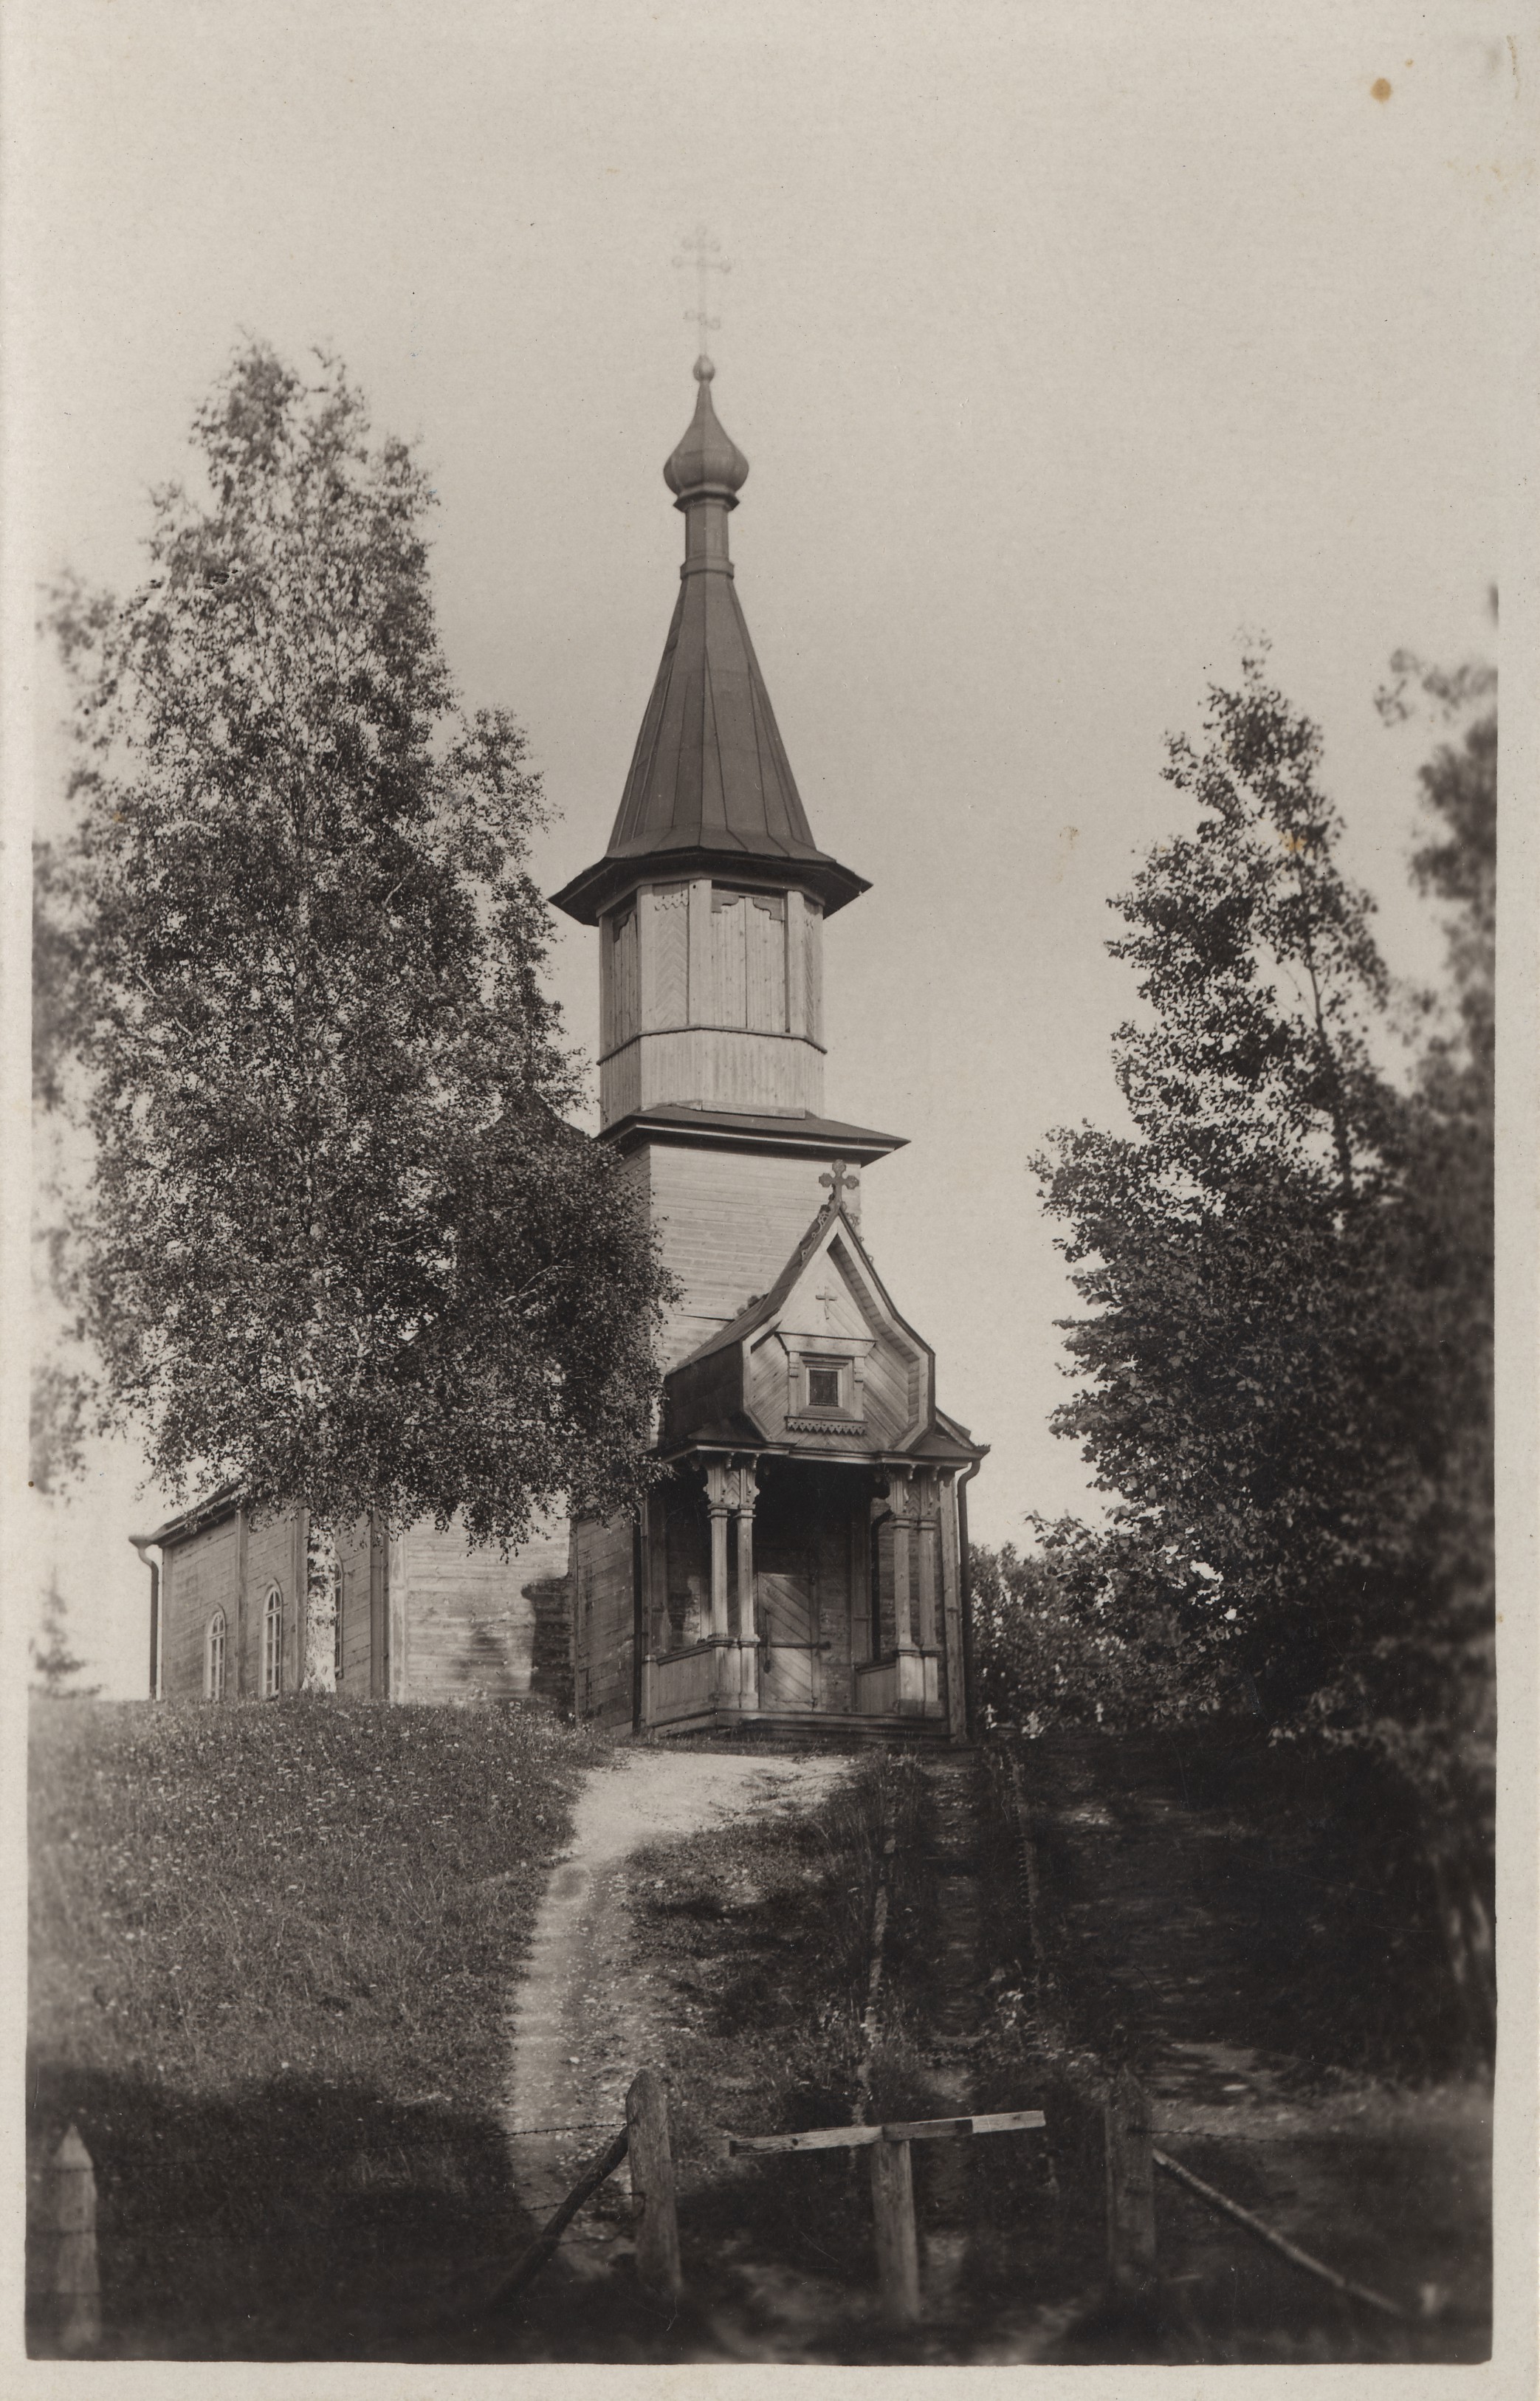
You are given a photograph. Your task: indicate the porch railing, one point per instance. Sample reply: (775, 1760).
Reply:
(722, 1673)
(719, 1672)
(906, 1684)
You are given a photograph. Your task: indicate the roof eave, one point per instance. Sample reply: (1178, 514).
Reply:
(223, 1501)
(611, 877)
(804, 1136)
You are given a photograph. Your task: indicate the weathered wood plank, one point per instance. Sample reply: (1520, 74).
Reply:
(819, 2138)
(653, 2186)
(1129, 2184)
(893, 2223)
(1276, 2242)
(917, 2130)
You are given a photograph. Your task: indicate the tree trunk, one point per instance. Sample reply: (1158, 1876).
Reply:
(322, 1592)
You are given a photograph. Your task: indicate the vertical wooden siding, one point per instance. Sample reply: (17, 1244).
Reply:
(354, 1558)
(604, 1632)
(270, 1560)
(198, 1576)
(728, 1224)
(666, 957)
(471, 1620)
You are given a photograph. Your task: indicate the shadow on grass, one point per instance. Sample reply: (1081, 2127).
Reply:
(282, 2220)
(1223, 1890)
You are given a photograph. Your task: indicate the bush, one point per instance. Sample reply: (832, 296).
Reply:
(1090, 1630)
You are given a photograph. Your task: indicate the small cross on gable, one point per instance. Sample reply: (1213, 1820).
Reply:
(842, 1183)
(825, 1295)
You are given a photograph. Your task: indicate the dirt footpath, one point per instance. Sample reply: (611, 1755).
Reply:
(586, 2016)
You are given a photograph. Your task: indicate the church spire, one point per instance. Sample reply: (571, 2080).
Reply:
(710, 789)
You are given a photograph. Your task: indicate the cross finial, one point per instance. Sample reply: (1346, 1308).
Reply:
(699, 250)
(839, 1181)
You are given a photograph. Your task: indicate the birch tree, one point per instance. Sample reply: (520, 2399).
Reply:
(341, 1244)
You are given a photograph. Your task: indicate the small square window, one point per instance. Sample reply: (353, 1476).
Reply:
(823, 1388)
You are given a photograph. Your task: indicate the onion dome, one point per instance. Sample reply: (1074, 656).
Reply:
(707, 461)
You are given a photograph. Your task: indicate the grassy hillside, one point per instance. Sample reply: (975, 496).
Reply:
(272, 1945)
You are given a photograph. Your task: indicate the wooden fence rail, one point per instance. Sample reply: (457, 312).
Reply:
(1131, 2160)
(646, 2139)
(1276, 2242)
(893, 2184)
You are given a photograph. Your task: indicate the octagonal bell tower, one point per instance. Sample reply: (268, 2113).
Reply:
(712, 895)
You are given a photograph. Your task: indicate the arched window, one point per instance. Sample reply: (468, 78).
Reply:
(272, 1644)
(213, 1657)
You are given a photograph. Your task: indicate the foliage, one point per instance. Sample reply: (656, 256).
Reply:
(341, 1244)
(1287, 1360)
(55, 1666)
(1241, 1397)
(1087, 1629)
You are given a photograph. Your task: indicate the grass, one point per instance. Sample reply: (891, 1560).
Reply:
(1239, 1926)
(272, 1945)
(1167, 1914)
(273, 1950)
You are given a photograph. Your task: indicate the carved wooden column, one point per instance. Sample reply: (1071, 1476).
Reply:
(903, 1602)
(720, 1509)
(928, 1529)
(909, 1683)
(928, 1532)
(655, 1526)
(957, 1696)
(654, 1601)
(747, 1638)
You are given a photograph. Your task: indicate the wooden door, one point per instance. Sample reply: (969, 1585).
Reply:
(786, 1598)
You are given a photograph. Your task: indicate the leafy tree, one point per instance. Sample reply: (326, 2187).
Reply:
(57, 1394)
(1223, 1246)
(1282, 1270)
(341, 1244)
(1448, 1210)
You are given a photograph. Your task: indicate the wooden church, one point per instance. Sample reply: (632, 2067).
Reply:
(801, 1569)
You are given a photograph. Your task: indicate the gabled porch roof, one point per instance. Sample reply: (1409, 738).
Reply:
(710, 1402)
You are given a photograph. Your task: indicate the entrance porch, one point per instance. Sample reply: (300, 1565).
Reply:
(780, 1593)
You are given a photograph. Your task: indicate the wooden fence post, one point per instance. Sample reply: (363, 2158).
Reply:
(653, 2186)
(71, 2220)
(897, 2250)
(1130, 2185)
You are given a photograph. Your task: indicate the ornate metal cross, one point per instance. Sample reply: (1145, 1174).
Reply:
(840, 1180)
(698, 250)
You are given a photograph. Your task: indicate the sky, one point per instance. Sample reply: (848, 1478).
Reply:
(1068, 348)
